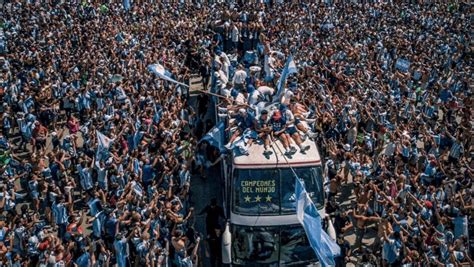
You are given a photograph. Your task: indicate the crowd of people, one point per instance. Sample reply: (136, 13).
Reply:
(98, 154)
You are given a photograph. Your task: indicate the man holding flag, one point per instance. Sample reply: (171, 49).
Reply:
(323, 245)
(290, 68)
(162, 73)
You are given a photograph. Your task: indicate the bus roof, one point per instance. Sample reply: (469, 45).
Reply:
(256, 159)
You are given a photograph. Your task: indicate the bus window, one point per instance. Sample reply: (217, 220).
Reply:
(313, 180)
(294, 246)
(255, 245)
(256, 191)
(271, 246)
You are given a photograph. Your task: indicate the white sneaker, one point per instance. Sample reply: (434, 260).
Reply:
(311, 134)
(304, 148)
(293, 150)
(222, 115)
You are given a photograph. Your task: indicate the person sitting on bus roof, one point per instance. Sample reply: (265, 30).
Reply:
(238, 97)
(291, 129)
(244, 121)
(300, 113)
(278, 125)
(265, 91)
(253, 96)
(264, 130)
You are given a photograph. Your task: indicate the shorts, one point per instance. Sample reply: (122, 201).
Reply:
(297, 121)
(291, 130)
(278, 135)
(34, 194)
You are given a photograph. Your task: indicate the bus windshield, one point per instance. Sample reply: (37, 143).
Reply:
(271, 246)
(272, 191)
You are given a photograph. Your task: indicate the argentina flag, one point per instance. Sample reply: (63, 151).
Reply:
(215, 136)
(290, 67)
(164, 74)
(103, 145)
(324, 246)
(126, 5)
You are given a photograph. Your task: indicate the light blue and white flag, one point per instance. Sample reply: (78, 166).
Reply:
(103, 145)
(215, 136)
(402, 65)
(327, 26)
(241, 144)
(103, 141)
(164, 74)
(323, 245)
(126, 5)
(290, 67)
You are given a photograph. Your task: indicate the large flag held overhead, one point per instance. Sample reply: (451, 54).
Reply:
(323, 245)
(215, 136)
(162, 73)
(103, 146)
(126, 5)
(290, 67)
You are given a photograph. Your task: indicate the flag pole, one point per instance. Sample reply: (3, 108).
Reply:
(223, 97)
(287, 162)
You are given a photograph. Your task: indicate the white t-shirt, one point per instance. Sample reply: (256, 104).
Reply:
(240, 98)
(287, 95)
(225, 64)
(240, 76)
(254, 97)
(235, 34)
(225, 92)
(265, 90)
(288, 115)
(222, 77)
(269, 65)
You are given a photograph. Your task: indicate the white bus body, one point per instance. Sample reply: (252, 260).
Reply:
(260, 200)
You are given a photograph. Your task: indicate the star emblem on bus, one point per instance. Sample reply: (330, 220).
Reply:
(257, 198)
(268, 198)
(247, 199)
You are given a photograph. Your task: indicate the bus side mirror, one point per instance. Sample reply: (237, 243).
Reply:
(226, 245)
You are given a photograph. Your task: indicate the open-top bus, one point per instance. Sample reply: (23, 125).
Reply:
(263, 229)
